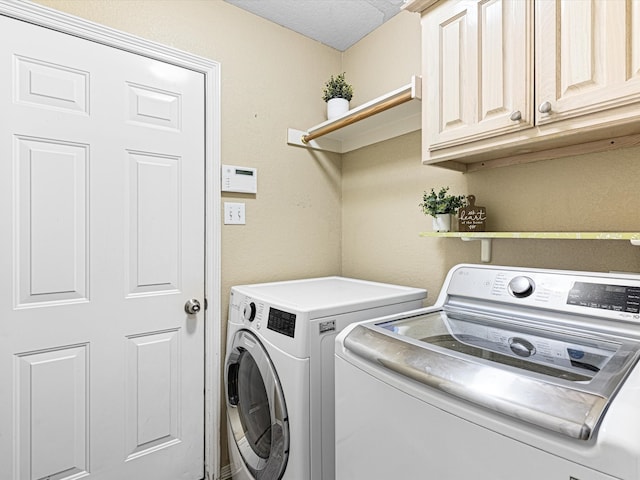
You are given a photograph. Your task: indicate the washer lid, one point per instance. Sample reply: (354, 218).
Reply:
(552, 378)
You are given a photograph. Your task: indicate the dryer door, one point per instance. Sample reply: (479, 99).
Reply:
(256, 407)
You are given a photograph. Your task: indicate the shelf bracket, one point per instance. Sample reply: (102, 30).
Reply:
(485, 247)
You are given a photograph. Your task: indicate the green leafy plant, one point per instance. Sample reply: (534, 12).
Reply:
(438, 203)
(337, 87)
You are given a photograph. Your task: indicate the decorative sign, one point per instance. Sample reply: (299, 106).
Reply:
(472, 218)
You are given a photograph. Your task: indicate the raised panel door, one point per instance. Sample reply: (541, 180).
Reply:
(102, 207)
(478, 79)
(587, 57)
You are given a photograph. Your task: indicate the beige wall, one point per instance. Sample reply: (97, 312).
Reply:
(383, 184)
(385, 59)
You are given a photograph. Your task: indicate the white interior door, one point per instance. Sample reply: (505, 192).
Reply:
(102, 243)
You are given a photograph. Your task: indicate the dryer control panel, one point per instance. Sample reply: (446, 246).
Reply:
(282, 322)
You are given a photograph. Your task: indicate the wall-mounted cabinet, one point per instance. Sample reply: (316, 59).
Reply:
(388, 116)
(517, 81)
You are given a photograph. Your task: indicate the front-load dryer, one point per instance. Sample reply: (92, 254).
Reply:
(279, 370)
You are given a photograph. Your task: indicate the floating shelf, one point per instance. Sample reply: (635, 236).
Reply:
(485, 238)
(385, 117)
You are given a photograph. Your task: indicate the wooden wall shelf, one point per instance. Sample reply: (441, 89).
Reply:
(391, 115)
(485, 238)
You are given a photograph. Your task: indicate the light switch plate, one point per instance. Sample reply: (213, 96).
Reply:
(234, 213)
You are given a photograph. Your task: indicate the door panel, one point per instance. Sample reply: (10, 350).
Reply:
(51, 85)
(154, 223)
(152, 403)
(102, 196)
(51, 402)
(51, 219)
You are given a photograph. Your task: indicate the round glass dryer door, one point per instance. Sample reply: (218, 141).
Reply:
(256, 408)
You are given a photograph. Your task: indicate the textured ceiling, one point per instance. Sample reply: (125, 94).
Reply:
(336, 23)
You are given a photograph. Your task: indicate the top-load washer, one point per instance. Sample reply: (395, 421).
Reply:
(279, 376)
(513, 373)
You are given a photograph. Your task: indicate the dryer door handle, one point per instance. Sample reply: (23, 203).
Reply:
(232, 384)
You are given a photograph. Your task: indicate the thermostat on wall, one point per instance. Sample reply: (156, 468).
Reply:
(239, 179)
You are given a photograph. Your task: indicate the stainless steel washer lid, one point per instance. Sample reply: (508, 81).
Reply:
(551, 378)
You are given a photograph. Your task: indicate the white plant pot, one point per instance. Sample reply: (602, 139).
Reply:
(442, 222)
(337, 107)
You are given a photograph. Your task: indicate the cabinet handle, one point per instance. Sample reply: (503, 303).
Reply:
(516, 116)
(545, 107)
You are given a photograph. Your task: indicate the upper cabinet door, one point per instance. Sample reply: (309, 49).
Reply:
(477, 57)
(587, 57)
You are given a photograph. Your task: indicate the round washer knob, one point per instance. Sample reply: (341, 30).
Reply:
(521, 286)
(521, 347)
(249, 311)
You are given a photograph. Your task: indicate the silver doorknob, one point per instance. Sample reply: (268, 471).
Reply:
(192, 306)
(516, 116)
(544, 107)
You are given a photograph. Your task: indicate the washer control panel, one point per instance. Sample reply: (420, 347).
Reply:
(521, 286)
(615, 296)
(619, 298)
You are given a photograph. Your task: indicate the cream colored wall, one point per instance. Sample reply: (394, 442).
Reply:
(385, 59)
(383, 184)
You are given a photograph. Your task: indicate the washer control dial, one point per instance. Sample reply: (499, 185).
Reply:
(249, 311)
(522, 347)
(521, 286)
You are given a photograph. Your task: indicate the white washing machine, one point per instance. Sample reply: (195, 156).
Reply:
(279, 370)
(513, 373)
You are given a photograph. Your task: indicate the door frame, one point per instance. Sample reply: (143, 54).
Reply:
(65, 23)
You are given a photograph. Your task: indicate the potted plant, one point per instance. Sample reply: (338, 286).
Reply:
(441, 206)
(337, 93)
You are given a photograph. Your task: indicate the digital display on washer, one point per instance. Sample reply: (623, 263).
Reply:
(282, 322)
(619, 298)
